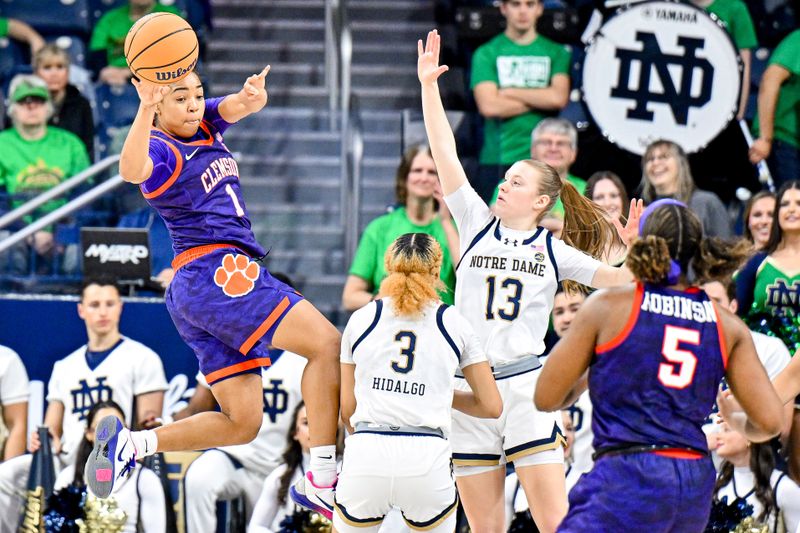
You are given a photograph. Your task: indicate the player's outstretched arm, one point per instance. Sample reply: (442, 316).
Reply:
(440, 135)
(251, 99)
(135, 165)
(787, 383)
(484, 400)
(749, 383)
(562, 379)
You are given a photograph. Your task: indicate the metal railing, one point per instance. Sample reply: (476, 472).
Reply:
(62, 188)
(66, 209)
(338, 66)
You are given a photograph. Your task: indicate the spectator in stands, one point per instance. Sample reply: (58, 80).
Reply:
(737, 21)
(748, 473)
(666, 174)
(420, 209)
(770, 281)
(777, 124)
(71, 110)
(555, 141)
(757, 218)
(13, 403)
(107, 58)
(607, 190)
(274, 505)
(18, 30)
(518, 78)
(35, 157)
(108, 366)
(141, 495)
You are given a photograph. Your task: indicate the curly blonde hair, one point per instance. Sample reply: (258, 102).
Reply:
(412, 263)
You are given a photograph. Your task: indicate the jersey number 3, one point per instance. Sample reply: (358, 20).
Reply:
(407, 352)
(679, 372)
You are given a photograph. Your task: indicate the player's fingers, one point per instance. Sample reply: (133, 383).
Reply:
(264, 72)
(420, 49)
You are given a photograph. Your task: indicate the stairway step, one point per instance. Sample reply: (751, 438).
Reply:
(308, 262)
(314, 190)
(221, 51)
(283, 9)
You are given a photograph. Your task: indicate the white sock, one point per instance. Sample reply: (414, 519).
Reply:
(323, 465)
(145, 442)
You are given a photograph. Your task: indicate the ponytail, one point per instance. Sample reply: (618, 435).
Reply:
(585, 224)
(413, 263)
(717, 258)
(649, 259)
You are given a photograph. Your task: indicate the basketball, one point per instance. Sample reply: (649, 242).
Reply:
(161, 48)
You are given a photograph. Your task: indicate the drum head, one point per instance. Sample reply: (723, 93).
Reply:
(662, 70)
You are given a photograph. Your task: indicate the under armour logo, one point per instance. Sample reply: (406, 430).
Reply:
(507, 241)
(84, 398)
(679, 99)
(276, 399)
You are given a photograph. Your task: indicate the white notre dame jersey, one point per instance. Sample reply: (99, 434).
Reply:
(129, 370)
(581, 414)
(13, 378)
(281, 395)
(506, 279)
(405, 367)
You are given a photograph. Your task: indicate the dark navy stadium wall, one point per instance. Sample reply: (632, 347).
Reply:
(43, 331)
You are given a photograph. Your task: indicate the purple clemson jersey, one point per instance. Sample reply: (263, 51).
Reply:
(656, 382)
(195, 187)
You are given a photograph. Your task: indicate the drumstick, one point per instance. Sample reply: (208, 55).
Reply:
(764, 175)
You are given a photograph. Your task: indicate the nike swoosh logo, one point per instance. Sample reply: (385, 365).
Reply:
(326, 457)
(119, 455)
(189, 156)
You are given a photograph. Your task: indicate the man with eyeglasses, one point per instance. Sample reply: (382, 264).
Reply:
(555, 141)
(35, 157)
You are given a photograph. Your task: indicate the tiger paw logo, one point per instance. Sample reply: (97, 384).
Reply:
(237, 275)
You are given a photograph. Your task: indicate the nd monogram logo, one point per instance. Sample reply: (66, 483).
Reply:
(783, 297)
(651, 58)
(276, 399)
(85, 397)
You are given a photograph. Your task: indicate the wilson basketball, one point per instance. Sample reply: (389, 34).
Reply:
(161, 48)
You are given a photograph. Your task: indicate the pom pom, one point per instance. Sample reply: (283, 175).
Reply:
(65, 509)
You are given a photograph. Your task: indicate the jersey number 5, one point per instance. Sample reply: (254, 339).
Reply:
(407, 352)
(679, 372)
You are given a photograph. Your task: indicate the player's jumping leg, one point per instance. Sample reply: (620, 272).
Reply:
(306, 332)
(482, 498)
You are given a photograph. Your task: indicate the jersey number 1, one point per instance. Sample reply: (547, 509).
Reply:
(236, 205)
(679, 372)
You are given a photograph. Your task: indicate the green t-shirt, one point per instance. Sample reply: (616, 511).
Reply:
(112, 28)
(3, 26)
(787, 109)
(32, 167)
(508, 64)
(381, 233)
(736, 18)
(558, 208)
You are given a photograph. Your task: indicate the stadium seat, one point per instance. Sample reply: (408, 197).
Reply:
(75, 46)
(117, 105)
(11, 55)
(97, 8)
(51, 17)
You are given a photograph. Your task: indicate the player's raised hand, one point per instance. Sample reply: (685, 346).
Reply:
(630, 231)
(150, 93)
(255, 87)
(428, 67)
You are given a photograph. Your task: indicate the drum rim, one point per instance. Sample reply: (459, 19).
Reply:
(637, 4)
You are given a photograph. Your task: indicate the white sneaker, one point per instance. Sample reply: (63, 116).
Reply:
(113, 457)
(314, 498)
